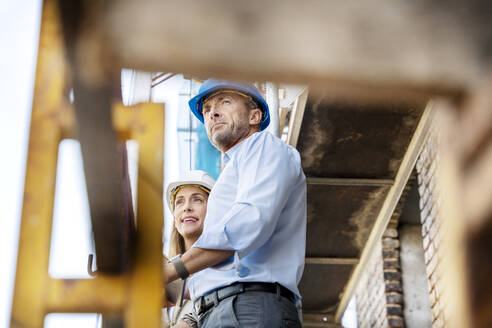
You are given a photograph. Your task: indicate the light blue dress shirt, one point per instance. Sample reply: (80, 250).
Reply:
(257, 208)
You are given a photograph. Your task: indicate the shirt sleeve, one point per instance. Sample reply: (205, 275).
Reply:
(267, 172)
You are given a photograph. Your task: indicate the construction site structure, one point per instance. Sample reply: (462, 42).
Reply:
(394, 132)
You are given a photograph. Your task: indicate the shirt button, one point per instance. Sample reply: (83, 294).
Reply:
(242, 271)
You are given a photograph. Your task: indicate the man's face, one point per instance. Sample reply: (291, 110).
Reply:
(227, 119)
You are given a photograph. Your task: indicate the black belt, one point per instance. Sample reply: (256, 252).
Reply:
(206, 302)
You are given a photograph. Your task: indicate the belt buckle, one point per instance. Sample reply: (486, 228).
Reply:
(198, 305)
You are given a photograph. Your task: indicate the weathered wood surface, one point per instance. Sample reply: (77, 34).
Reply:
(474, 126)
(407, 48)
(466, 178)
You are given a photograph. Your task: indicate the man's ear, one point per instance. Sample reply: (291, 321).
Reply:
(255, 116)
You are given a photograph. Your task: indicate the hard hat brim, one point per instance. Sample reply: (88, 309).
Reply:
(201, 178)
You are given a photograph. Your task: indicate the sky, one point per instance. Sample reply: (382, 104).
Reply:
(19, 31)
(18, 42)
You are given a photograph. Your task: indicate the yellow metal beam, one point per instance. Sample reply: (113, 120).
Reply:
(103, 294)
(45, 134)
(137, 295)
(146, 284)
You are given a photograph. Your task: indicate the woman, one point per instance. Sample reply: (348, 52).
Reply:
(187, 199)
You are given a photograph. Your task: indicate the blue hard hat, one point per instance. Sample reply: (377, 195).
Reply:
(212, 86)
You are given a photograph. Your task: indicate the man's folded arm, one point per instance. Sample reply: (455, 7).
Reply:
(197, 259)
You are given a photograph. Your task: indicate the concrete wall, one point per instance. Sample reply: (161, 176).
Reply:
(416, 307)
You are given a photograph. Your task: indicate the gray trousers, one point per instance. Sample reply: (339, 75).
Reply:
(252, 309)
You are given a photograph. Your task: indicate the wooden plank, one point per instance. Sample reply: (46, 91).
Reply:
(475, 152)
(296, 118)
(477, 189)
(466, 180)
(331, 260)
(454, 262)
(348, 182)
(282, 118)
(389, 205)
(343, 46)
(475, 123)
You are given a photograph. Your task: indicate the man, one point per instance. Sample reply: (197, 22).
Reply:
(250, 257)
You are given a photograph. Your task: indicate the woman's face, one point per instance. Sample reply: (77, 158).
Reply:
(190, 207)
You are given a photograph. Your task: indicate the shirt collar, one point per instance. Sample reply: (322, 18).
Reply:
(236, 148)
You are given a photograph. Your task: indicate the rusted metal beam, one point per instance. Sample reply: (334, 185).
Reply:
(107, 182)
(103, 155)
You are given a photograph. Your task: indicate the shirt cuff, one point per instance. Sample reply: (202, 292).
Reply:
(214, 238)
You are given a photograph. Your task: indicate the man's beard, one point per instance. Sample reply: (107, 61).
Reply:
(226, 136)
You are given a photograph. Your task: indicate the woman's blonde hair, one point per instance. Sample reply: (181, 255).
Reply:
(177, 244)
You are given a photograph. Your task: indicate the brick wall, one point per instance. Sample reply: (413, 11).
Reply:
(370, 294)
(430, 200)
(392, 274)
(379, 293)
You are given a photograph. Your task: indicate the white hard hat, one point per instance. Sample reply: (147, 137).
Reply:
(195, 177)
